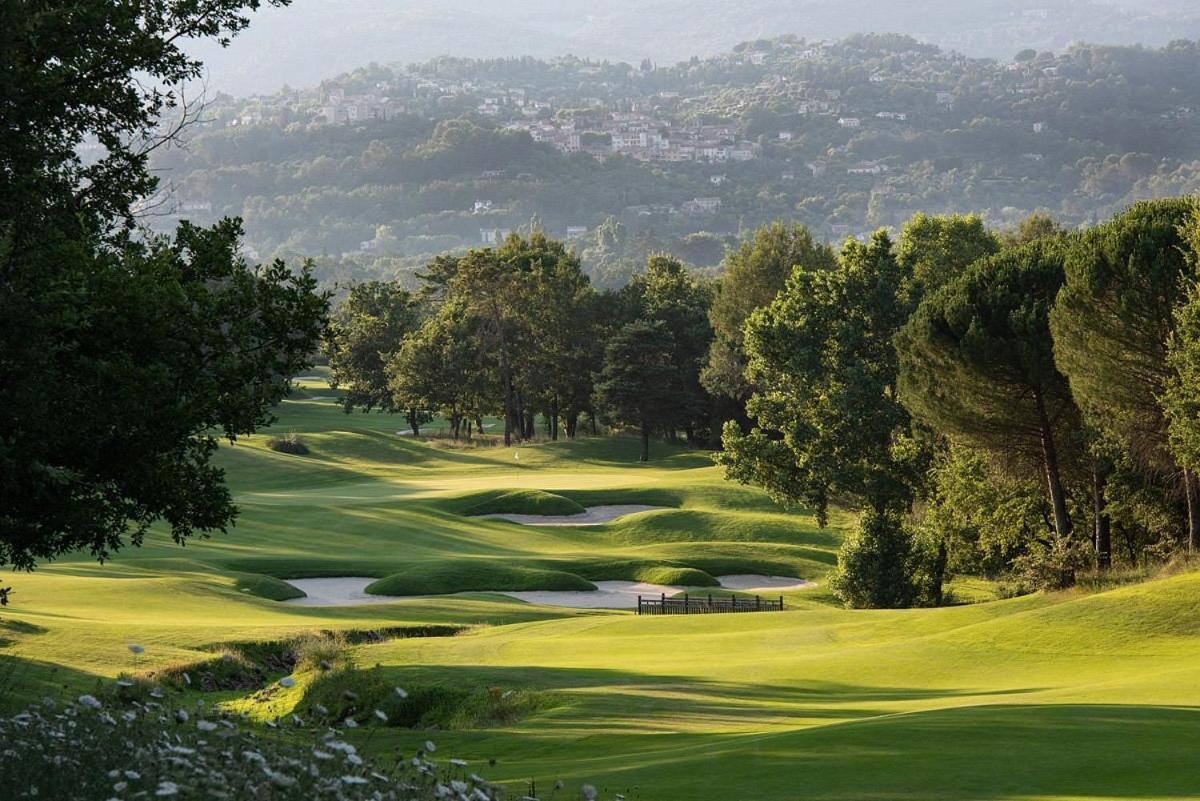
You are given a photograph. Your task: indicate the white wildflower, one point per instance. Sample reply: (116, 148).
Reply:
(401, 692)
(181, 715)
(287, 681)
(206, 725)
(379, 713)
(90, 701)
(323, 755)
(462, 763)
(350, 723)
(167, 789)
(354, 759)
(430, 747)
(588, 792)
(353, 780)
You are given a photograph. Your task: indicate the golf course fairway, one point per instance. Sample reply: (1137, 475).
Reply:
(1066, 696)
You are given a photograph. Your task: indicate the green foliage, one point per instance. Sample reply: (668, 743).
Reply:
(982, 515)
(1181, 400)
(638, 383)
(937, 249)
(475, 575)
(878, 564)
(754, 275)
(1053, 566)
(526, 502)
(367, 326)
(828, 422)
(125, 356)
(977, 364)
(1114, 318)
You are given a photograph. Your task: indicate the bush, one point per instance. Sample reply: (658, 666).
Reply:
(878, 567)
(1052, 567)
(93, 750)
(290, 443)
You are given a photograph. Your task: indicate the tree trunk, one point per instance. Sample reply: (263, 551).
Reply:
(1058, 499)
(1193, 507)
(554, 419)
(645, 442)
(939, 573)
(506, 382)
(414, 422)
(572, 424)
(1103, 531)
(530, 423)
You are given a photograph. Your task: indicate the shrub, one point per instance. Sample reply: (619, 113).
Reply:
(289, 443)
(1052, 567)
(93, 750)
(878, 566)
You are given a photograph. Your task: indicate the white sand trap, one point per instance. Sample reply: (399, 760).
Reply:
(607, 595)
(351, 591)
(592, 517)
(345, 591)
(753, 582)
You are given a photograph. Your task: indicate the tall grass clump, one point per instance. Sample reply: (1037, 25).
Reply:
(289, 443)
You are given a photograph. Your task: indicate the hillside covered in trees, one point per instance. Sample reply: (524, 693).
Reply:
(376, 167)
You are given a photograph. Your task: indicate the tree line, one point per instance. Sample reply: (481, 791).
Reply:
(1022, 405)
(518, 332)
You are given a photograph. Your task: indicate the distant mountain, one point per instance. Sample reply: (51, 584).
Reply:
(313, 39)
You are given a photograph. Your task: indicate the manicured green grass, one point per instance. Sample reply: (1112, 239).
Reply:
(479, 575)
(525, 502)
(1074, 696)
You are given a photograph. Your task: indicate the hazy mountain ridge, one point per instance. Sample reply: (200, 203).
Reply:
(280, 45)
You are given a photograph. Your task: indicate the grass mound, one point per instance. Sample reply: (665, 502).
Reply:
(268, 587)
(680, 576)
(524, 502)
(370, 697)
(649, 571)
(475, 576)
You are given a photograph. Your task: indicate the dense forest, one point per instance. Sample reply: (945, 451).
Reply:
(630, 160)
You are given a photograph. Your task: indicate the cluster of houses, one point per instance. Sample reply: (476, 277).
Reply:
(644, 138)
(343, 109)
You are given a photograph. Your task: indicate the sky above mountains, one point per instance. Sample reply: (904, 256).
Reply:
(315, 39)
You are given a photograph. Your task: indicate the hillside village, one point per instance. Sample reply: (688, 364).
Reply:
(847, 136)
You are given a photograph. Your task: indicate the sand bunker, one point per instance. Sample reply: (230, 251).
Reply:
(351, 591)
(594, 516)
(752, 582)
(345, 591)
(607, 595)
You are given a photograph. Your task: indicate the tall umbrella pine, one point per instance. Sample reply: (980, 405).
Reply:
(1112, 323)
(977, 364)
